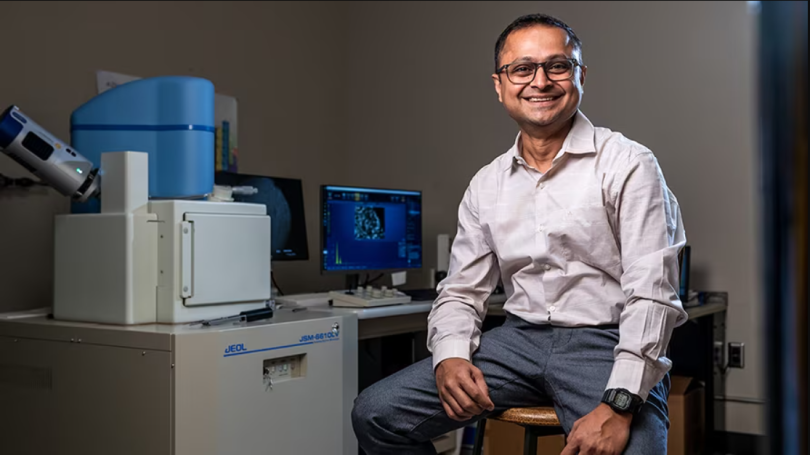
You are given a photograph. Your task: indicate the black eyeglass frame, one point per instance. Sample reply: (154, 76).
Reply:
(574, 64)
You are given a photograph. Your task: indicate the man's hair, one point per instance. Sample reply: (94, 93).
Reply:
(531, 20)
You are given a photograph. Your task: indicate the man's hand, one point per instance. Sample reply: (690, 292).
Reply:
(602, 432)
(462, 389)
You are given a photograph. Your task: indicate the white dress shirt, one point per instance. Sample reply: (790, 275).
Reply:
(592, 241)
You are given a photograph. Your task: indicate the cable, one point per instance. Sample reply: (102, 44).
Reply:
(23, 182)
(273, 278)
(373, 279)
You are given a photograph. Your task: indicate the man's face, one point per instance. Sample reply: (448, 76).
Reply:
(541, 102)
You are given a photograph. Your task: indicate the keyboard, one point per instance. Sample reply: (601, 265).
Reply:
(421, 295)
(368, 297)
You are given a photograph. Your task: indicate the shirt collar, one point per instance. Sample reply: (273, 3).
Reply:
(579, 141)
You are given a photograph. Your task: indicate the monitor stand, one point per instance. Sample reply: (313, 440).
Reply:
(352, 281)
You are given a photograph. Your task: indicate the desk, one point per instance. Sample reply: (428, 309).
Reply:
(694, 352)
(704, 330)
(398, 319)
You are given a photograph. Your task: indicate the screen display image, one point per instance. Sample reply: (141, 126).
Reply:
(369, 223)
(284, 199)
(370, 229)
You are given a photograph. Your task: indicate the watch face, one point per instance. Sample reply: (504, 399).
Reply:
(622, 400)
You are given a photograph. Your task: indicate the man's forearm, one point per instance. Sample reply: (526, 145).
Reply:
(644, 334)
(453, 330)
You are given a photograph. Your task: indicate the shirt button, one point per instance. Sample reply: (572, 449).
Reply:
(547, 267)
(541, 229)
(552, 308)
(541, 186)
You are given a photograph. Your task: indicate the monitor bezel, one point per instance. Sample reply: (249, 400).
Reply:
(322, 229)
(307, 257)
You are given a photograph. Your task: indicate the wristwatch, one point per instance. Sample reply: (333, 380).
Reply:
(621, 400)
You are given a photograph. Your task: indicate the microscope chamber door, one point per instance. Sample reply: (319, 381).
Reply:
(225, 258)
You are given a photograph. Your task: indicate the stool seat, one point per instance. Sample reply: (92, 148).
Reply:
(536, 417)
(536, 422)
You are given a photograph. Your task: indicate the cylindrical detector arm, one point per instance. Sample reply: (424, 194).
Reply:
(50, 159)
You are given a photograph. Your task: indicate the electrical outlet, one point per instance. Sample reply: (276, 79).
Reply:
(736, 355)
(719, 354)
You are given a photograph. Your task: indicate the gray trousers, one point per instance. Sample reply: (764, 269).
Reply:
(524, 365)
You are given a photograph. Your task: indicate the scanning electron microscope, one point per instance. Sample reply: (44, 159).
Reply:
(134, 356)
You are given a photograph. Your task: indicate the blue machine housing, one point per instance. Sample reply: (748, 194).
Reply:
(171, 118)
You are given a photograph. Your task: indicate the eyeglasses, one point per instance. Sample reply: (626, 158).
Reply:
(524, 72)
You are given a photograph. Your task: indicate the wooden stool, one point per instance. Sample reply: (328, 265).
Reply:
(536, 422)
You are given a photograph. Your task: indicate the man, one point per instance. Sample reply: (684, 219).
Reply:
(580, 226)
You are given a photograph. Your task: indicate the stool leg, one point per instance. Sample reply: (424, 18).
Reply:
(529, 442)
(479, 437)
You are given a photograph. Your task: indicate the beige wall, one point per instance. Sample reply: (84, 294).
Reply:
(677, 77)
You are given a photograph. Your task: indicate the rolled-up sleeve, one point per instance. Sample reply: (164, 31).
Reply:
(454, 323)
(651, 234)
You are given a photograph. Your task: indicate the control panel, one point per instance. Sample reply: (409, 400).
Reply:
(282, 369)
(368, 297)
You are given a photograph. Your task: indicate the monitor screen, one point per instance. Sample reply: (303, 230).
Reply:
(284, 199)
(370, 229)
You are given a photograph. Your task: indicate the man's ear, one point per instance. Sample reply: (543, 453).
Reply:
(497, 80)
(582, 73)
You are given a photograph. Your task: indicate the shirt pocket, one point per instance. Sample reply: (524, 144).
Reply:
(584, 234)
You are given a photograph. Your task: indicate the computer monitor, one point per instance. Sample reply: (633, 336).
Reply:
(370, 229)
(284, 199)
